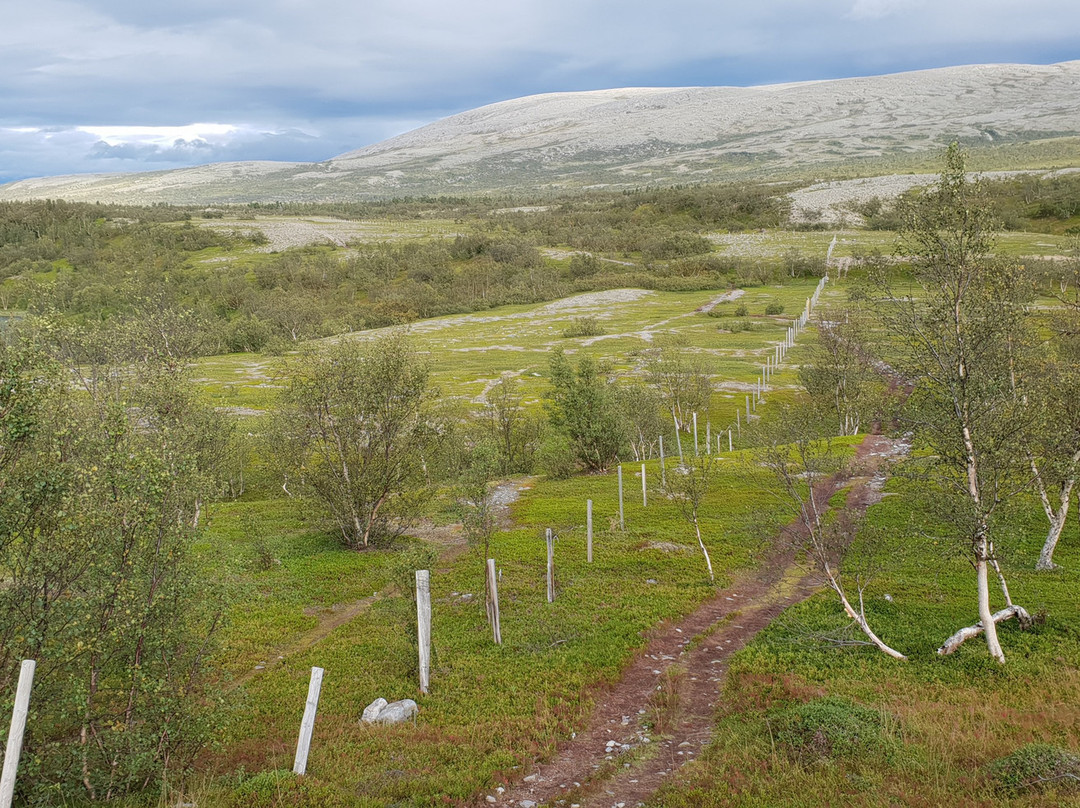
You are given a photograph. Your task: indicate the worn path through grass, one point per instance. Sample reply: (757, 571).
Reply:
(668, 693)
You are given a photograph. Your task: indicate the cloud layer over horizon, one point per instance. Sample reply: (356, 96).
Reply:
(121, 85)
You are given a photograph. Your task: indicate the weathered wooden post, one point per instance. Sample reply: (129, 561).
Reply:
(663, 471)
(307, 725)
(738, 421)
(423, 625)
(748, 409)
(695, 436)
(493, 601)
(729, 445)
(622, 520)
(550, 566)
(588, 530)
(15, 732)
(708, 437)
(644, 491)
(678, 438)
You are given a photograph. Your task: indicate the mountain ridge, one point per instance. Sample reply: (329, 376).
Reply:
(629, 137)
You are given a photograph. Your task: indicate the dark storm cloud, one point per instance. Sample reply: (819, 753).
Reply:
(306, 80)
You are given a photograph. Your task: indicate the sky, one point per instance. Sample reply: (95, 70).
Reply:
(144, 85)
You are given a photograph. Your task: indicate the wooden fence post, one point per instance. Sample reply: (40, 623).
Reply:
(708, 437)
(493, 601)
(588, 530)
(307, 725)
(695, 436)
(678, 438)
(15, 732)
(622, 521)
(729, 446)
(550, 566)
(644, 492)
(663, 471)
(423, 626)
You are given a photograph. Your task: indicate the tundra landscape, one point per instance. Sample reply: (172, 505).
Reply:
(638, 447)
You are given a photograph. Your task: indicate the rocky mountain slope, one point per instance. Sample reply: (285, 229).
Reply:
(636, 136)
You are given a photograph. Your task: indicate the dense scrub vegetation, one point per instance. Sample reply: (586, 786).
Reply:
(89, 262)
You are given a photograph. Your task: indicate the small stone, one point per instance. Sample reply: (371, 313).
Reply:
(371, 712)
(500, 790)
(685, 744)
(398, 712)
(527, 804)
(530, 778)
(490, 799)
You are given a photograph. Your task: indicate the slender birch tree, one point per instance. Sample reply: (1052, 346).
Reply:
(958, 318)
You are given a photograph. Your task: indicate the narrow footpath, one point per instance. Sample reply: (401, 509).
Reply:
(676, 681)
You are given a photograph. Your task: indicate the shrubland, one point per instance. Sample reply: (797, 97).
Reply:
(178, 571)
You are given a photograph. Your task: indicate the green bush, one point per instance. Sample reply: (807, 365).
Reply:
(741, 310)
(584, 327)
(832, 727)
(738, 326)
(775, 307)
(555, 458)
(1036, 766)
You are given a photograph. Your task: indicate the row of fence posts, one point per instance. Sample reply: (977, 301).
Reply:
(757, 392)
(423, 577)
(13, 749)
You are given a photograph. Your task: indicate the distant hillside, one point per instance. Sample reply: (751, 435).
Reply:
(637, 136)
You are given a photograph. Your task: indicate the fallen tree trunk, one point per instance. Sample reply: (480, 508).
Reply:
(965, 634)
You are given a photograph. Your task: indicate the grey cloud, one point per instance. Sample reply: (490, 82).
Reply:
(327, 65)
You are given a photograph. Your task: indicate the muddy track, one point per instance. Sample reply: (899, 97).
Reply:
(673, 685)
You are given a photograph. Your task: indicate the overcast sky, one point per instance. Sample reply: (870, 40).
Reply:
(136, 85)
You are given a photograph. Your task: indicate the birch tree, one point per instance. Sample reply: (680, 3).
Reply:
(805, 465)
(353, 427)
(688, 485)
(957, 318)
(680, 377)
(842, 376)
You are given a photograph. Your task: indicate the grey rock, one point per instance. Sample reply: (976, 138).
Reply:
(371, 712)
(398, 712)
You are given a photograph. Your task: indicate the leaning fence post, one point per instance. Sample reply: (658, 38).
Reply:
(678, 438)
(15, 733)
(493, 601)
(622, 520)
(550, 566)
(423, 626)
(588, 530)
(307, 725)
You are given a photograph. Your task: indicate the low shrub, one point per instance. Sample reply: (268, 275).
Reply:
(1036, 766)
(775, 307)
(741, 310)
(831, 728)
(584, 327)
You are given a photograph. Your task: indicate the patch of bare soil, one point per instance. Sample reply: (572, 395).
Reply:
(660, 713)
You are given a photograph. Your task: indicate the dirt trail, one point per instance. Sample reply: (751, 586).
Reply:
(611, 763)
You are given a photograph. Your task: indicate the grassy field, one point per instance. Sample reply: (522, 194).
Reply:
(945, 719)
(303, 600)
